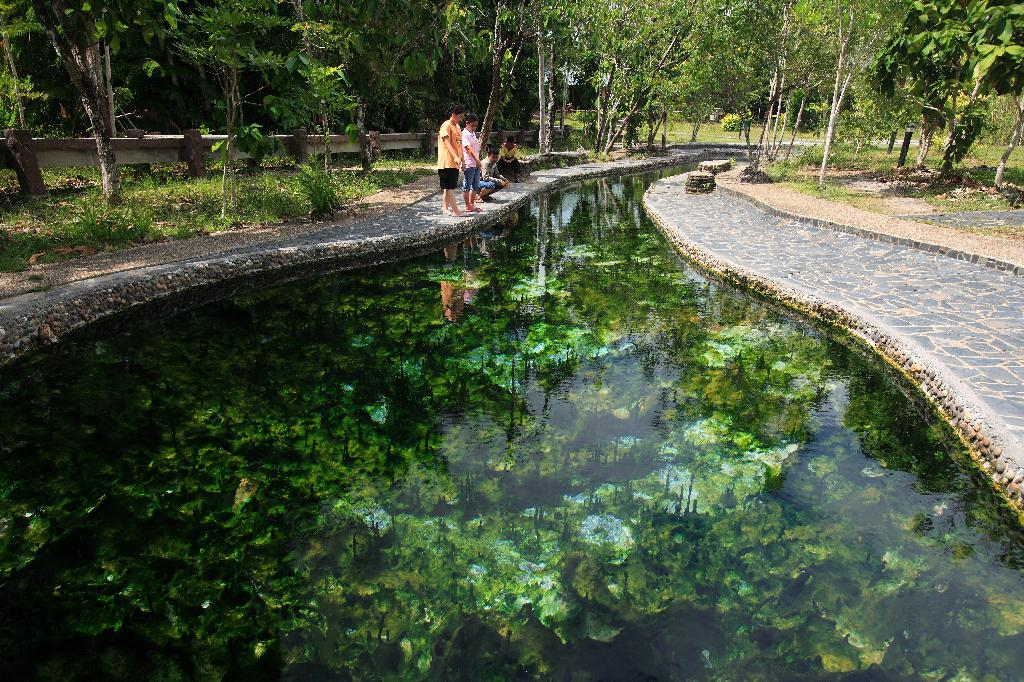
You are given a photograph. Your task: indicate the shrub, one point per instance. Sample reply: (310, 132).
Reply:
(731, 123)
(319, 189)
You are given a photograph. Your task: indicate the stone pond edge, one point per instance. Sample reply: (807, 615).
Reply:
(29, 321)
(994, 453)
(731, 188)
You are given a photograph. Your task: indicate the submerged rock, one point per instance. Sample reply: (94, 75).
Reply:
(246, 489)
(607, 531)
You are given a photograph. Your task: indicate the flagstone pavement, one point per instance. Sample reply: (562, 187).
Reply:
(960, 319)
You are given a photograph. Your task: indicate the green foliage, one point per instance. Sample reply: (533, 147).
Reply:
(731, 123)
(319, 189)
(165, 204)
(948, 48)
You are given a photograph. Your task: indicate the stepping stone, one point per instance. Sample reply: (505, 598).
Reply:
(699, 182)
(716, 166)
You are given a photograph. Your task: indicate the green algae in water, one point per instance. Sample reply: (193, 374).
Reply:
(551, 451)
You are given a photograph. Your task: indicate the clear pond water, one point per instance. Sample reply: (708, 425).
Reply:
(550, 451)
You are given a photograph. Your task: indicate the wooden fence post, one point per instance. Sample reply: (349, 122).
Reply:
(194, 153)
(300, 145)
(21, 156)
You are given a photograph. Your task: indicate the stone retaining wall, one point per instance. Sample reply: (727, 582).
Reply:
(30, 320)
(955, 402)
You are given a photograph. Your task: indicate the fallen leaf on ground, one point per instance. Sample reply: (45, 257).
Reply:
(78, 250)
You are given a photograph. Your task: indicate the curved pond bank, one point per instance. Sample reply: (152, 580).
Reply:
(548, 450)
(955, 328)
(30, 320)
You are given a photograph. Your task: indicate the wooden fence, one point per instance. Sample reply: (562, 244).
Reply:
(27, 155)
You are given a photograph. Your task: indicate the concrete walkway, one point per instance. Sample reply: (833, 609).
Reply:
(955, 327)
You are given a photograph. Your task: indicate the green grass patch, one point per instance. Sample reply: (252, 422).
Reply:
(165, 203)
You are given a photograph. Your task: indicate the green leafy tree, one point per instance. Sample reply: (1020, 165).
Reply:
(1000, 45)
(948, 54)
(230, 37)
(76, 28)
(635, 48)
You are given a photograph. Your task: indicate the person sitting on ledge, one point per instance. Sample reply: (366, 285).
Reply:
(492, 181)
(508, 161)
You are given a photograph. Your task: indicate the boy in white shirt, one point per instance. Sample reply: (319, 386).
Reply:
(471, 164)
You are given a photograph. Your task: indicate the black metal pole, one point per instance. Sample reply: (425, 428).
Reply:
(907, 137)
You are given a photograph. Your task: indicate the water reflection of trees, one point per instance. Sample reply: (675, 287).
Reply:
(581, 467)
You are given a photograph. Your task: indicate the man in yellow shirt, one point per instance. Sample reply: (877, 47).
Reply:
(449, 159)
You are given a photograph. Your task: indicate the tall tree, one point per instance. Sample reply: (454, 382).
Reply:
(231, 37)
(636, 48)
(859, 27)
(513, 26)
(76, 29)
(999, 38)
(947, 54)
(7, 34)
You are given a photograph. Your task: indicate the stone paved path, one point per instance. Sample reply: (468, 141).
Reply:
(967, 318)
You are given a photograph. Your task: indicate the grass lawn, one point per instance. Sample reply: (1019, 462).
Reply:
(870, 181)
(967, 189)
(165, 203)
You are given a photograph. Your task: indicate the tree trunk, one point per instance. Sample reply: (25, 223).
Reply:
(1015, 137)
(837, 91)
(947, 151)
(796, 125)
(837, 98)
(492, 100)
(551, 98)
(780, 126)
(755, 161)
(110, 90)
(364, 138)
(603, 101)
(83, 65)
(225, 155)
(694, 131)
(565, 97)
(20, 102)
(542, 91)
(776, 124)
(227, 182)
(325, 124)
(924, 142)
(664, 128)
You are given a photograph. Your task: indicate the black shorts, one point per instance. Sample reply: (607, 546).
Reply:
(449, 177)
